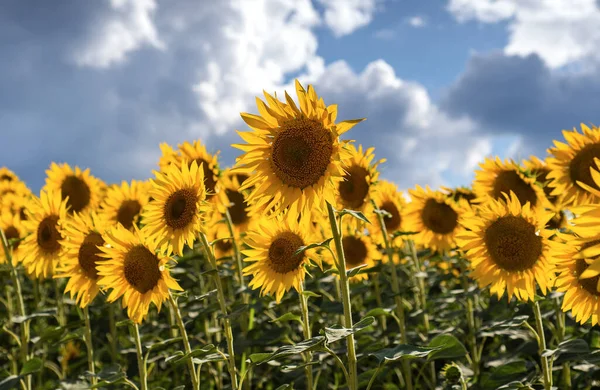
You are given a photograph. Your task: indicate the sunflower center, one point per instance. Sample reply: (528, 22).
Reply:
(209, 177)
(281, 253)
(6, 177)
(224, 245)
(439, 217)
(512, 243)
(468, 196)
(88, 254)
(355, 187)
(241, 178)
(22, 214)
(507, 181)
(180, 208)
(238, 209)
(301, 152)
(355, 251)
(391, 223)
(77, 191)
(11, 233)
(141, 269)
(127, 212)
(541, 176)
(579, 168)
(47, 234)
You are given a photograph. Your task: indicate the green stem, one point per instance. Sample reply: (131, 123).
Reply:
(113, 332)
(560, 325)
(546, 368)
(88, 344)
(186, 342)
(226, 322)
(236, 252)
(397, 298)
(382, 318)
(345, 293)
(140, 357)
(307, 335)
(20, 305)
(475, 355)
(60, 303)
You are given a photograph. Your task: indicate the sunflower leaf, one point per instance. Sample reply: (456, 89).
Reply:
(356, 214)
(402, 351)
(354, 271)
(287, 317)
(334, 334)
(383, 213)
(310, 294)
(31, 366)
(450, 347)
(288, 350)
(44, 313)
(312, 246)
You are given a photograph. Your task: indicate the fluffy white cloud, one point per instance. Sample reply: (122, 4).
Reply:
(417, 21)
(345, 16)
(561, 32)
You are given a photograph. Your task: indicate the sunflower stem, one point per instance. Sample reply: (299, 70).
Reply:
(397, 298)
(135, 330)
(307, 335)
(226, 322)
(20, 305)
(113, 333)
(60, 303)
(560, 326)
(186, 342)
(345, 293)
(88, 345)
(472, 332)
(546, 368)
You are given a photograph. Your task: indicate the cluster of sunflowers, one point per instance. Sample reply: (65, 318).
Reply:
(300, 197)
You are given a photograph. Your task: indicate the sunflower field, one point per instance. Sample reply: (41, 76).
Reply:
(299, 268)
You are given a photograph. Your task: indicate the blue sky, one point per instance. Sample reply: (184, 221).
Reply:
(442, 84)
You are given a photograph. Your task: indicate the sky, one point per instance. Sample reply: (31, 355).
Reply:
(443, 84)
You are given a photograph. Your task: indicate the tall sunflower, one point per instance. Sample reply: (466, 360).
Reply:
(294, 154)
(509, 249)
(177, 212)
(570, 165)
(42, 249)
(496, 179)
(124, 204)
(274, 267)
(81, 255)
(581, 295)
(13, 229)
(135, 270)
(12, 192)
(387, 198)
(359, 249)
(435, 217)
(84, 191)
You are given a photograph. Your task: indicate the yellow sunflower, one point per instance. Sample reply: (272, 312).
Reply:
(509, 249)
(581, 295)
(359, 249)
(434, 217)
(178, 210)
(294, 154)
(81, 255)
(570, 165)
(42, 249)
(191, 152)
(11, 192)
(461, 193)
(134, 270)
(124, 204)
(13, 229)
(496, 179)
(274, 267)
(83, 190)
(7, 175)
(387, 198)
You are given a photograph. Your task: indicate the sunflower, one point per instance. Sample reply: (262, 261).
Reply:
(7, 175)
(294, 154)
(11, 192)
(81, 254)
(461, 193)
(435, 217)
(359, 249)
(42, 249)
(84, 191)
(136, 270)
(570, 165)
(190, 152)
(13, 229)
(274, 267)
(496, 179)
(178, 210)
(387, 198)
(581, 295)
(509, 249)
(124, 204)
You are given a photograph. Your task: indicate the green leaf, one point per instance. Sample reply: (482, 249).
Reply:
(176, 355)
(383, 213)
(402, 351)
(507, 372)
(197, 352)
(31, 366)
(44, 313)
(110, 375)
(163, 343)
(354, 271)
(450, 347)
(287, 317)
(213, 357)
(201, 297)
(499, 327)
(11, 382)
(310, 294)
(288, 350)
(356, 214)
(124, 323)
(334, 334)
(574, 346)
(312, 246)
(378, 312)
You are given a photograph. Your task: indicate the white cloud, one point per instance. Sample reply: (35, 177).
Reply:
(561, 32)
(417, 21)
(343, 17)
